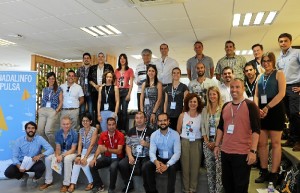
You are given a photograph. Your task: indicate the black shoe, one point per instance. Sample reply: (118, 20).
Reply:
(264, 176)
(288, 143)
(273, 177)
(130, 189)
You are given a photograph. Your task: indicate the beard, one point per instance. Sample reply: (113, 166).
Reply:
(30, 134)
(163, 127)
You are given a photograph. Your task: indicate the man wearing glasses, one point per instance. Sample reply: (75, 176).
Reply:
(73, 97)
(66, 140)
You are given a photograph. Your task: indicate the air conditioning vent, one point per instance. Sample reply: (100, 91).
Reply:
(144, 3)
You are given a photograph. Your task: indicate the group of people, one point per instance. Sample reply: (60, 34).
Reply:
(229, 119)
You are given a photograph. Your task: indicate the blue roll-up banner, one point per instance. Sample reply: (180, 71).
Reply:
(17, 107)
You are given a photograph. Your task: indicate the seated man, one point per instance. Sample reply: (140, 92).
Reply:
(111, 144)
(30, 146)
(66, 140)
(166, 142)
(137, 145)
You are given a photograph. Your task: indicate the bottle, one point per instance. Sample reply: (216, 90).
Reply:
(271, 188)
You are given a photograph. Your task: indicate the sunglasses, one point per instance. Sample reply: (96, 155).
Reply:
(68, 90)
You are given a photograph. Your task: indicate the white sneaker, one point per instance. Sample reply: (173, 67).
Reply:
(24, 179)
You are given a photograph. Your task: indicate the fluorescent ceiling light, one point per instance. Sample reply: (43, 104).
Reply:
(243, 52)
(237, 52)
(250, 52)
(6, 43)
(247, 19)
(270, 17)
(113, 29)
(138, 57)
(153, 56)
(258, 18)
(97, 31)
(89, 31)
(105, 30)
(236, 19)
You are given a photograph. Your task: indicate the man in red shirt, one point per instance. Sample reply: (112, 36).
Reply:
(110, 145)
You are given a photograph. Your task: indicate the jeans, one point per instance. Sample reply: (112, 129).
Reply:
(87, 102)
(123, 117)
(13, 172)
(235, 173)
(67, 168)
(103, 162)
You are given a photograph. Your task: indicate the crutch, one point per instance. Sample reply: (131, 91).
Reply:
(137, 156)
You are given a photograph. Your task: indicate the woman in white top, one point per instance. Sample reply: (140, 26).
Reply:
(188, 127)
(86, 148)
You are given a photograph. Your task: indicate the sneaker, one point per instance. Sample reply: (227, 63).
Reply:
(296, 147)
(111, 191)
(98, 189)
(130, 189)
(264, 176)
(34, 183)
(24, 179)
(45, 186)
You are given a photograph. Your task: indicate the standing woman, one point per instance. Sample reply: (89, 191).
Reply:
(174, 96)
(85, 152)
(50, 106)
(210, 120)
(188, 127)
(151, 96)
(269, 93)
(124, 76)
(108, 99)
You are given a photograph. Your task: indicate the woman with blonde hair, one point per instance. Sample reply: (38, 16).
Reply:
(210, 120)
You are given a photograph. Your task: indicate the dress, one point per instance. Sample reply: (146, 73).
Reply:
(152, 94)
(275, 118)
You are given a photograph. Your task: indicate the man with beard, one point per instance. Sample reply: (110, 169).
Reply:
(30, 146)
(250, 80)
(201, 84)
(166, 142)
(137, 145)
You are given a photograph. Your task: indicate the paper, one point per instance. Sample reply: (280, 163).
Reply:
(264, 190)
(27, 163)
(56, 166)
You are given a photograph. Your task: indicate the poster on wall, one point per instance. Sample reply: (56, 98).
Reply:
(17, 107)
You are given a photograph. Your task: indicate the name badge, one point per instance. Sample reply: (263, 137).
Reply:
(83, 151)
(122, 84)
(48, 104)
(106, 106)
(212, 131)
(251, 98)
(139, 148)
(165, 154)
(263, 99)
(173, 105)
(113, 156)
(230, 129)
(192, 137)
(85, 81)
(147, 101)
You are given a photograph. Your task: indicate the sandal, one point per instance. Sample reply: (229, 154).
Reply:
(89, 187)
(71, 188)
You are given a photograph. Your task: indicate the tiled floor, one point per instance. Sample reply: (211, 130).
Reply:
(14, 186)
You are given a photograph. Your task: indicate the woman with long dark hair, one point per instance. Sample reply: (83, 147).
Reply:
(151, 96)
(124, 76)
(51, 104)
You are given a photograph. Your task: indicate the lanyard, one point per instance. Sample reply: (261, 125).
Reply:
(266, 81)
(49, 97)
(107, 92)
(233, 115)
(143, 133)
(111, 143)
(251, 90)
(174, 92)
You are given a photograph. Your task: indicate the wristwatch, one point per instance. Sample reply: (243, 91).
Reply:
(253, 151)
(168, 165)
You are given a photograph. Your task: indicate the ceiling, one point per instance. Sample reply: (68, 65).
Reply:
(51, 28)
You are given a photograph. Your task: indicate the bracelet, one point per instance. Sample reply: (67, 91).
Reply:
(268, 106)
(153, 113)
(253, 151)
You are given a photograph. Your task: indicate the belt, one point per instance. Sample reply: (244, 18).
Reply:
(293, 84)
(69, 108)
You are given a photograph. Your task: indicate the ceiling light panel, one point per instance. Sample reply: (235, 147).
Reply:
(6, 43)
(105, 30)
(254, 19)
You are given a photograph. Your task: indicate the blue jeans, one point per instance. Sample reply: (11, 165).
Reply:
(123, 117)
(89, 103)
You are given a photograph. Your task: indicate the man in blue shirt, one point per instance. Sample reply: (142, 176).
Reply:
(166, 142)
(30, 146)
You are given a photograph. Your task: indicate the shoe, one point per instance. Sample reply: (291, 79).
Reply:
(35, 183)
(45, 186)
(24, 179)
(296, 147)
(111, 191)
(273, 177)
(98, 189)
(71, 188)
(63, 188)
(89, 187)
(264, 175)
(288, 143)
(130, 189)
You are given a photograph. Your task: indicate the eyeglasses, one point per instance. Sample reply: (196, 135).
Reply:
(85, 121)
(68, 90)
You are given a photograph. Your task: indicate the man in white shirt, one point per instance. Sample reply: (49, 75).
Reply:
(73, 97)
(165, 65)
